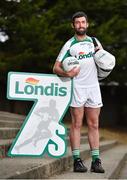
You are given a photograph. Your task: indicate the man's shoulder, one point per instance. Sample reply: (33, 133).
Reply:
(69, 41)
(93, 37)
(89, 39)
(96, 41)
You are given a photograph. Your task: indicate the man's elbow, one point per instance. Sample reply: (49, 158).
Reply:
(54, 69)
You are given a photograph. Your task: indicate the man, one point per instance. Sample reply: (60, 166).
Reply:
(86, 91)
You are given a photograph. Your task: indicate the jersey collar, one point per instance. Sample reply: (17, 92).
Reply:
(87, 38)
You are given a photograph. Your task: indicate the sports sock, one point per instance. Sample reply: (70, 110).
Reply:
(76, 153)
(95, 154)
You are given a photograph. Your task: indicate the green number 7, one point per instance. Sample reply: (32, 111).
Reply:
(42, 130)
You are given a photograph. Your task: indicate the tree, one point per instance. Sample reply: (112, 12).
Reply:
(38, 29)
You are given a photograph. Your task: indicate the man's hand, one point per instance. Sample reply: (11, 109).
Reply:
(73, 72)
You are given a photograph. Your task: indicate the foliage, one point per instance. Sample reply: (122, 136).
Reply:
(38, 29)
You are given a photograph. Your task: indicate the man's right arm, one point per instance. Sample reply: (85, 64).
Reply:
(58, 69)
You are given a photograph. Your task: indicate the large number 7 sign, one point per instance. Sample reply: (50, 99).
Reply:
(42, 130)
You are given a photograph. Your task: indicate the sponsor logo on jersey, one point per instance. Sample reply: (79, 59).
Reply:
(83, 55)
(80, 53)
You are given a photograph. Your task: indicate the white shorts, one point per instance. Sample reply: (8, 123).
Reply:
(87, 97)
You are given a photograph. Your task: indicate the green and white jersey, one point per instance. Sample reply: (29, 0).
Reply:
(83, 51)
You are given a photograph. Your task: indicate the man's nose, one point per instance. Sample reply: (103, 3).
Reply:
(81, 25)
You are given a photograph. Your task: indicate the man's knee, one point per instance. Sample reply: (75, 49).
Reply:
(77, 125)
(93, 125)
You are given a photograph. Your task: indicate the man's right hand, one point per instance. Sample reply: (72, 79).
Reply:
(74, 72)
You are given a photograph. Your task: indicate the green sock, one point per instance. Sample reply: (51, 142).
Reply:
(95, 154)
(76, 153)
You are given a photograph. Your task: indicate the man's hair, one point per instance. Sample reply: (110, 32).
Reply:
(79, 14)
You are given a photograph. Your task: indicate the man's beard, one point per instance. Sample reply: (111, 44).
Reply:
(81, 32)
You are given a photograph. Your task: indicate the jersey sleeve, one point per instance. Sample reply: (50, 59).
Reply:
(64, 52)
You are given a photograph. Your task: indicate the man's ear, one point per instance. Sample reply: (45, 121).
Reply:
(87, 25)
(72, 25)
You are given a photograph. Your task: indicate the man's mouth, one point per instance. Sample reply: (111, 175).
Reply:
(82, 29)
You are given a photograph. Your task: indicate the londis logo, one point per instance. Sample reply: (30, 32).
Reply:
(32, 81)
(83, 55)
(32, 87)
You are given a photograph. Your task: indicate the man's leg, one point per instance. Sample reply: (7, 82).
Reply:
(92, 116)
(75, 133)
(75, 129)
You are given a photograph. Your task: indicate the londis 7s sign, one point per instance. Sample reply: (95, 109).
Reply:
(42, 131)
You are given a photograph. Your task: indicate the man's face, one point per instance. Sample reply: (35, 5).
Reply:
(80, 25)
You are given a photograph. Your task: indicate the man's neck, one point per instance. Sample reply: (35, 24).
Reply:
(80, 37)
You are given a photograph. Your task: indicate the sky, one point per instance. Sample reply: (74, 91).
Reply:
(3, 37)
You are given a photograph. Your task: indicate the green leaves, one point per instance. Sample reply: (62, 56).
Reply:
(38, 29)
